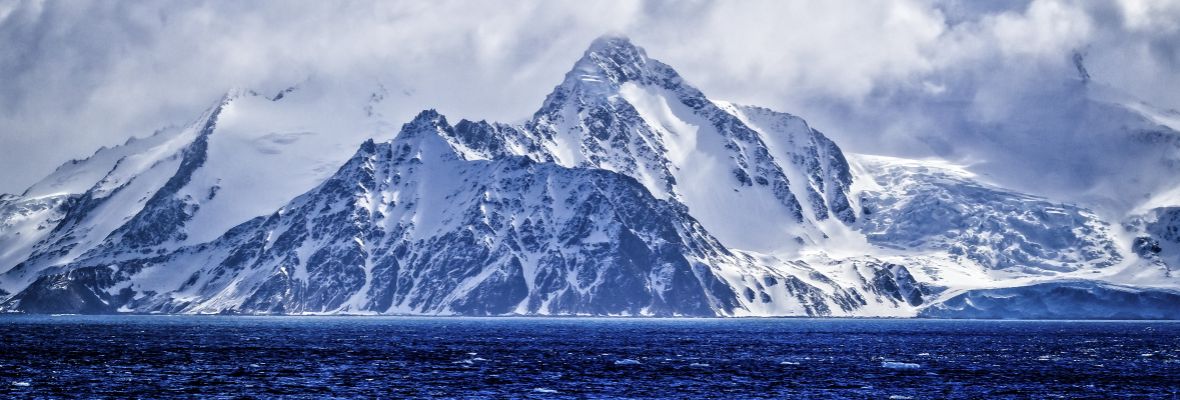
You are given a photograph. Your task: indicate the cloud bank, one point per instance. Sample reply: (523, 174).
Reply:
(914, 78)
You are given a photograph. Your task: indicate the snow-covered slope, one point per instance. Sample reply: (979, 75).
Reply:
(88, 207)
(24, 221)
(622, 111)
(935, 206)
(245, 156)
(957, 232)
(628, 193)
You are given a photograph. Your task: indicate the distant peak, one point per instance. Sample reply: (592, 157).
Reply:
(428, 123)
(612, 60)
(427, 118)
(424, 137)
(235, 92)
(368, 146)
(609, 62)
(612, 42)
(367, 149)
(610, 51)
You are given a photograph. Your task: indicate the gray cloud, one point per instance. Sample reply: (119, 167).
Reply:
(900, 77)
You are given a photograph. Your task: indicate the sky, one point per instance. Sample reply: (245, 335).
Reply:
(908, 77)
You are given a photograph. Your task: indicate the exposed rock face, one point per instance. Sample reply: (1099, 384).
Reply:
(1158, 237)
(73, 292)
(1165, 225)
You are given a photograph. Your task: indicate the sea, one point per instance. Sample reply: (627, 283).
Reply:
(316, 357)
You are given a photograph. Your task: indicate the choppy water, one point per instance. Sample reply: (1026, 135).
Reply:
(317, 357)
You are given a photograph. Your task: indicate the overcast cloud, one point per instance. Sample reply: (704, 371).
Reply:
(78, 75)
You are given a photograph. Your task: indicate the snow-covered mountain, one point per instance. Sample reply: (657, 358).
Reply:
(628, 193)
(412, 226)
(245, 156)
(622, 111)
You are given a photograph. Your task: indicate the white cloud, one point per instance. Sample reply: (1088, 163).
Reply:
(1150, 15)
(1046, 28)
(874, 74)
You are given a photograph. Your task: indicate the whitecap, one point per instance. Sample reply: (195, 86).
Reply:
(899, 365)
(627, 361)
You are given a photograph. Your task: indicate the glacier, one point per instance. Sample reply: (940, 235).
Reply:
(628, 193)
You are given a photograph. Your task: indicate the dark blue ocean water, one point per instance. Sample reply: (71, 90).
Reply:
(318, 357)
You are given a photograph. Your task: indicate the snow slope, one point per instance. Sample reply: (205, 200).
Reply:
(245, 156)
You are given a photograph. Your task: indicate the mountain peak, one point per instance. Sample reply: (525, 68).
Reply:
(613, 43)
(607, 64)
(428, 120)
(429, 116)
(426, 133)
(610, 59)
